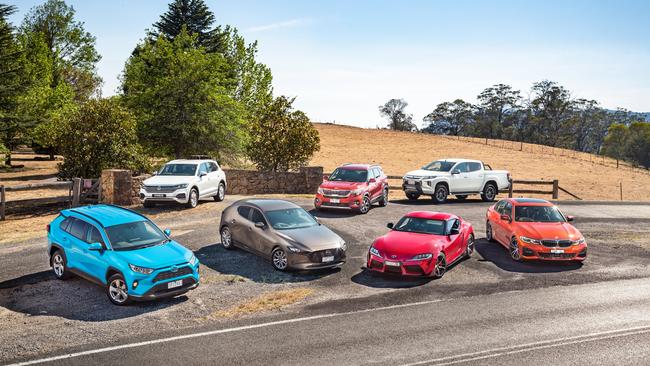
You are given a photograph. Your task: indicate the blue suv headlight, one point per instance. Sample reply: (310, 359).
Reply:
(141, 270)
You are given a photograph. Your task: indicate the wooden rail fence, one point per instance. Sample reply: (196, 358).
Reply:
(78, 191)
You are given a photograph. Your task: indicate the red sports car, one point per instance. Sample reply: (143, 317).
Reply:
(422, 243)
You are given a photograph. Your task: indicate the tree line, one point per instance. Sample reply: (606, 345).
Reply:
(547, 115)
(190, 87)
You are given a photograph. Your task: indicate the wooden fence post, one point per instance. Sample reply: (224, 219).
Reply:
(76, 191)
(621, 185)
(2, 203)
(510, 189)
(555, 188)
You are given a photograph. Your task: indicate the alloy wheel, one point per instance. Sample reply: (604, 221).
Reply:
(440, 267)
(226, 238)
(118, 291)
(488, 231)
(57, 265)
(490, 192)
(470, 245)
(221, 193)
(194, 198)
(279, 259)
(365, 205)
(514, 250)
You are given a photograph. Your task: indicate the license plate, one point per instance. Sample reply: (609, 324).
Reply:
(335, 200)
(158, 195)
(411, 182)
(557, 251)
(174, 284)
(391, 263)
(328, 259)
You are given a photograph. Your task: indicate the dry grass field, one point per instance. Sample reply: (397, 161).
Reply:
(399, 152)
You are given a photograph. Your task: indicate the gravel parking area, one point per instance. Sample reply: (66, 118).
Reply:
(39, 314)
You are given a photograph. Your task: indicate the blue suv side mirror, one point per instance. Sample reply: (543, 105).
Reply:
(96, 247)
(167, 232)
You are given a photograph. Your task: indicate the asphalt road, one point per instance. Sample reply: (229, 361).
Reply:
(486, 310)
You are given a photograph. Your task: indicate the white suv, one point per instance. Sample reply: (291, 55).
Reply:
(185, 181)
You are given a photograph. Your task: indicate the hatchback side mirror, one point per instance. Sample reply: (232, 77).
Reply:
(455, 171)
(326, 177)
(505, 217)
(167, 232)
(98, 247)
(260, 225)
(570, 218)
(390, 225)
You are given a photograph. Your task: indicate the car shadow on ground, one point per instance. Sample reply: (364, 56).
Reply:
(387, 280)
(426, 201)
(497, 254)
(41, 294)
(239, 262)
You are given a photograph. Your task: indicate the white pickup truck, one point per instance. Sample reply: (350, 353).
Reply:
(460, 177)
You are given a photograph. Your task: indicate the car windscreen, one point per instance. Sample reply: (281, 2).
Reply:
(178, 169)
(439, 166)
(538, 214)
(292, 218)
(420, 225)
(349, 175)
(134, 235)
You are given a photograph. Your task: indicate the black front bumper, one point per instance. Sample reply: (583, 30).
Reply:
(160, 291)
(412, 187)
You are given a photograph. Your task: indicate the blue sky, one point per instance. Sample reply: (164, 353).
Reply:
(342, 59)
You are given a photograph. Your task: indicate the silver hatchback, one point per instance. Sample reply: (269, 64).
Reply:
(283, 232)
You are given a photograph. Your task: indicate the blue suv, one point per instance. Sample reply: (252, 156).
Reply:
(122, 251)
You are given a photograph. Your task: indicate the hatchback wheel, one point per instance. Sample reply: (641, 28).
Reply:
(117, 290)
(515, 252)
(440, 267)
(470, 246)
(59, 265)
(226, 238)
(279, 259)
(221, 192)
(193, 201)
(365, 205)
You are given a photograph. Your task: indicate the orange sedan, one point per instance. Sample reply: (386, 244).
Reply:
(533, 228)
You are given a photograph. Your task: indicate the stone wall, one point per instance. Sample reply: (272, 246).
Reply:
(250, 182)
(117, 185)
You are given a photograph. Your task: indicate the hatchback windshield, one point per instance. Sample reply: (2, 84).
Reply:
(178, 169)
(538, 214)
(349, 175)
(420, 225)
(439, 166)
(134, 235)
(292, 218)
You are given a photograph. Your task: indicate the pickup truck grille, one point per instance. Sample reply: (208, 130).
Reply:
(335, 193)
(160, 189)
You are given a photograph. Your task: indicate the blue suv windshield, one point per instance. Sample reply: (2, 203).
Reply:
(178, 169)
(134, 235)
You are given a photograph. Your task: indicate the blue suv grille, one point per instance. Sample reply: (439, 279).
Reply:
(166, 275)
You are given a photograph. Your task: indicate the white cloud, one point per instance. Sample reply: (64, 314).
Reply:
(286, 24)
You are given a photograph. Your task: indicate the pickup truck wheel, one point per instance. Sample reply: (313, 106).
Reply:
(221, 193)
(461, 197)
(489, 193)
(193, 201)
(412, 196)
(441, 193)
(383, 201)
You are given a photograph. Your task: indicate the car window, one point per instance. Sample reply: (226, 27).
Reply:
(292, 218)
(499, 206)
(420, 225)
(178, 169)
(507, 209)
(203, 168)
(214, 167)
(453, 224)
(538, 214)
(349, 175)
(462, 167)
(135, 235)
(94, 236)
(257, 217)
(78, 229)
(474, 167)
(377, 173)
(244, 211)
(439, 166)
(64, 224)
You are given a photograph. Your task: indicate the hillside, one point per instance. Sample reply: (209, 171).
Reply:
(399, 152)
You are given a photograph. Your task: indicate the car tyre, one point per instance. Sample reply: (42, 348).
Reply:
(489, 193)
(515, 251)
(440, 194)
(489, 235)
(383, 202)
(226, 238)
(365, 205)
(193, 200)
(440, 267)
(117, 290)
(221, 193)
(412, 196)
(471, 245)
(279, 259)
(59, 265)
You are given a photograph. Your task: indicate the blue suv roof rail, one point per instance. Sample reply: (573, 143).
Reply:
(88, 216)
(127, 209)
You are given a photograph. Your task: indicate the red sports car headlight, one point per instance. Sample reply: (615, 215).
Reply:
(375, 252)
(424, 256)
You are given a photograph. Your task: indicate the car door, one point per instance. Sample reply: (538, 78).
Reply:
(455, 242)
(460, 181)
(476, 176)
(204, 180)
(493, 217)
(375, 187)
(214, 176)
(76, 255)
(95, 260)
(239, 224)
(505, 226)
(260, 238)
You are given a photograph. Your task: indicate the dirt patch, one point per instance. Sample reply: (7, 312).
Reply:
(400, 152)
(270, 301)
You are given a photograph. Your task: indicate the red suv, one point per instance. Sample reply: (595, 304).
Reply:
(353, 186)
